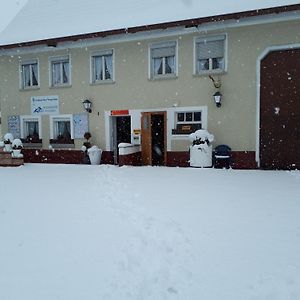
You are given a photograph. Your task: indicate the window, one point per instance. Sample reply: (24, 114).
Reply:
(102, 66)
(209, 54)
(163, 60)
(61, 129)
(60, 71)
(31, 129)
(29, 74)
(187, 122)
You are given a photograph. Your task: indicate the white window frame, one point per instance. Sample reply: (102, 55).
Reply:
(29, 118)
(211, 38)
(60, 59)
(56, 118)
(159, 45)
(22, 83)
(102, 54)
(187, 109)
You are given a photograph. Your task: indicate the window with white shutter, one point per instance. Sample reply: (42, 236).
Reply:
(210, 55)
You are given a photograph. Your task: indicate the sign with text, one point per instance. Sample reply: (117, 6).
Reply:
(45, 105)
(120, 112)
(14, 126)
(81, 125)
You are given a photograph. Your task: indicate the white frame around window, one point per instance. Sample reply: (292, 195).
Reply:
(56, 118)
(197, 40)
(173, 118)
(29, 63)
(159, 46)
(29, 118)
(102, 54)
(60, 60)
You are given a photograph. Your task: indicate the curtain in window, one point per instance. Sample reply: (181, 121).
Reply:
(170, 65)
(97, 67)
(56, 73)
(63, 129)
(108, 66)
(158, 66)
(65, 72)
(26, 75)
(34, 74)
(32, 128)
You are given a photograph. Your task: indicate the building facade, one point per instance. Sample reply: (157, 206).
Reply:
(152, 87)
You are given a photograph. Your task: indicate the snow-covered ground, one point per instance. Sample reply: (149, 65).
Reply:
(78, 232)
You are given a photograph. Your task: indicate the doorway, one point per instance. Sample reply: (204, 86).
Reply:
(121, 132)
(280, 110)
(154, 150)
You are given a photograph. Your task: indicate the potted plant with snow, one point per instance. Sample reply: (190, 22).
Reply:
(201, 149)
(86, 145)
(8, 139)
(16, 148)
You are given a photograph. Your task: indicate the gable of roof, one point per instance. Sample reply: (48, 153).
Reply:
(52, 21)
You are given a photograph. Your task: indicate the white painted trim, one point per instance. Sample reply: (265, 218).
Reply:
(101, 52)
(24, 62)
(258, 77)
(24, 118)
(65, 117)
(161, 33)
(154, 45)
(59, 58)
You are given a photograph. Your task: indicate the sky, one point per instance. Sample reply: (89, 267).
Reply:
(9, 8)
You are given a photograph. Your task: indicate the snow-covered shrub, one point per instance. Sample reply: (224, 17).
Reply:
(8, 138)
(17, 144)
(201, 136)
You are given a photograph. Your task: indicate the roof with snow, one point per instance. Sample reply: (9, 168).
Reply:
(42, 20)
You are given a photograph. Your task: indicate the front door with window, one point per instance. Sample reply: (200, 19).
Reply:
(154, 142)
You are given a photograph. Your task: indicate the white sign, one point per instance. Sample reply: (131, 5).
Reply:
(45, 105)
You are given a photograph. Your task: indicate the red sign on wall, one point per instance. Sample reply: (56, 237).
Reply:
(120, 112)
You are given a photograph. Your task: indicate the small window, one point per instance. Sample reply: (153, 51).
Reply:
(163, 60)
(210, 55)
(29, 74)
(60, 71)
(61, 129)
(102, 66)
(187, 122)
(31, 129)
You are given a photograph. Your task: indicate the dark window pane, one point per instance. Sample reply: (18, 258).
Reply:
(180, 117)
(189, 117)
(197, 116)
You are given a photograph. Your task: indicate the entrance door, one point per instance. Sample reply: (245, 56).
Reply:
(121, 134)
(280, 110)
(154, 148)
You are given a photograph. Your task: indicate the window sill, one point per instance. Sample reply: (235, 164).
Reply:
(210, 72)
(104, 82)
(60, 86)
(163, 77)
(31, 88)
(32, 145)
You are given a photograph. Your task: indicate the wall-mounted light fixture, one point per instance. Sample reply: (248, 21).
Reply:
(87, 104)
(217, 95)
(218, 98)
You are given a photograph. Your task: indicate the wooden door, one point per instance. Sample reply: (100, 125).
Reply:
(146, 138)
(280, 110)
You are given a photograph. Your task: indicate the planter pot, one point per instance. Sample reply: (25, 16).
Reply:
(17, 153)
(7, 147)
(201, 156)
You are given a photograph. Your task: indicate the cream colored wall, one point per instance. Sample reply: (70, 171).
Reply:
(234, 123)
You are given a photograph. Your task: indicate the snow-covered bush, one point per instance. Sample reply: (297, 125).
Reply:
(201, 136)
(17, 144)
(8, 138)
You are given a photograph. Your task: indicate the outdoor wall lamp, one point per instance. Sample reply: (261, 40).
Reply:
(87, 104)
(218, 98)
